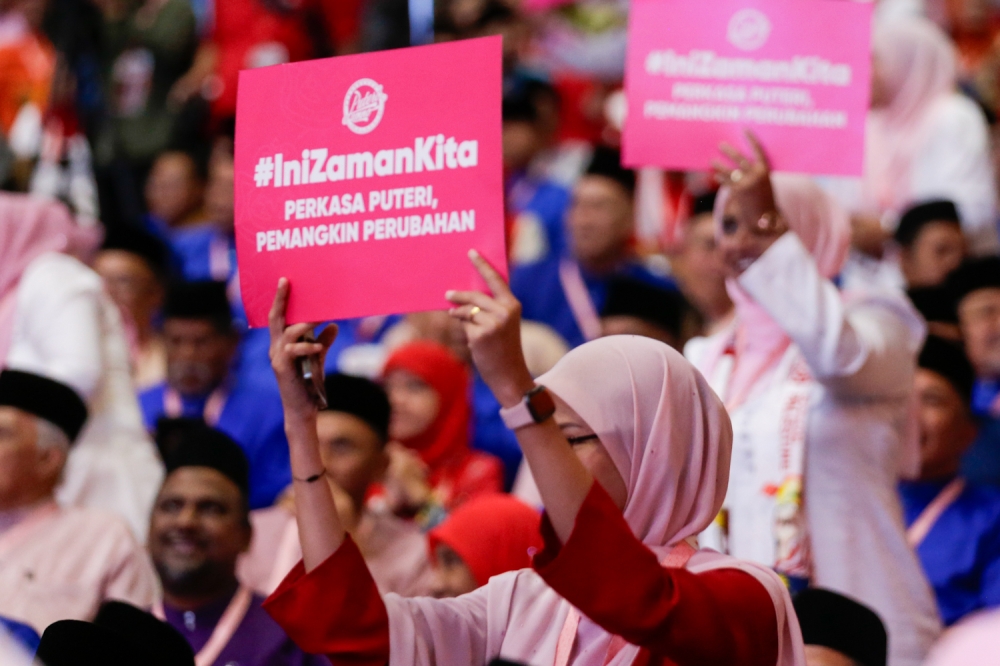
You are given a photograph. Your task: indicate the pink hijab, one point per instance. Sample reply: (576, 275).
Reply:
(825, 230)
(30, 227)
(918, 67)
(666, 431)
(670, 438)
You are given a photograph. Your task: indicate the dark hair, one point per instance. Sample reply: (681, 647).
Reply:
(948, 359)
(204, 300)
(140, 243)
(607, 163)
(920, 215)
(361, 398)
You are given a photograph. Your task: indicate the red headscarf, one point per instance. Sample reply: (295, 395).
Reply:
(493, 534)
(447, 439)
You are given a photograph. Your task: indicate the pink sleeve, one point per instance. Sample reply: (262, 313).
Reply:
(334, 610)
(724, 616)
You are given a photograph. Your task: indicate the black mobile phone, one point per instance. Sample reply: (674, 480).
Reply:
(311, 372)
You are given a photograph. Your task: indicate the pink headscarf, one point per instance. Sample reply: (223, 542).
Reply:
(918, 67)
(825, 230)
(30, 227)
(670, 438)
(666, 431)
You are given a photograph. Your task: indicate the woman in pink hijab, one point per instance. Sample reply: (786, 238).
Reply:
(630, 450)
(818, 387)
(924, 140)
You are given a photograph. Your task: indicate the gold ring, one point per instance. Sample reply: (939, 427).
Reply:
(474, 311)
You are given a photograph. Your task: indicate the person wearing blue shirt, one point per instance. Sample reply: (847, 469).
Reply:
(201, 345)
(24, 634)
(536, 202)
(568, 291)
(975, 289)
(953, 523)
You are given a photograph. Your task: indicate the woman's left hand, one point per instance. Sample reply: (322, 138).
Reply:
(751, 221)
(493, 327)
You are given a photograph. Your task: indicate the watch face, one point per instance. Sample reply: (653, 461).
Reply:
(541, 405)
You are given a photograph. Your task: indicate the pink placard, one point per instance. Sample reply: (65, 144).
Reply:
(365, 180)
(796, 72)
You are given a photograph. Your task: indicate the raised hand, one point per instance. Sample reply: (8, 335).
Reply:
(751, 221)
(285, 351)
(493, 327)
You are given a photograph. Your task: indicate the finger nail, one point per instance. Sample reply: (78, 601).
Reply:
(473, 254)
(449, 294)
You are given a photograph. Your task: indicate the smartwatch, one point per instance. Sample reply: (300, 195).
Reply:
(536, 406)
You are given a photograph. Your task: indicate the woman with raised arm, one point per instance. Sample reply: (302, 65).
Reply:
(630, 450)
(818, 385)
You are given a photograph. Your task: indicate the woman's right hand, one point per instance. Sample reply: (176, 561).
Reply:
(286, 349)
(405, 483)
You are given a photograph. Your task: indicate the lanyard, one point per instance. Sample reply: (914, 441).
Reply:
(929, 516)
(173, 406)
(580, 303)
(224, 630)
(677, 558)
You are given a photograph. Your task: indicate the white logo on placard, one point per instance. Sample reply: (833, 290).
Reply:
(748, 29)
(364, 105)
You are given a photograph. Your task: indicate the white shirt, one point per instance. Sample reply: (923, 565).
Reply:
(862, 358)
(67, 328)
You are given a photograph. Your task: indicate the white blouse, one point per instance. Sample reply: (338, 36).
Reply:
(861, 355)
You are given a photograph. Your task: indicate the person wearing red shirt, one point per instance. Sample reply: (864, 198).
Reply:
(434, 469)
(630, 450)
(256, 33)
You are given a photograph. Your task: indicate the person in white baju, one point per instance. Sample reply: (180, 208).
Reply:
(57, 320)
(819, 390)
(55, 563)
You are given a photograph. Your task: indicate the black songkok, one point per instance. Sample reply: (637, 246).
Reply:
(160, 644)
(140, 243)
(834, 621)
(191, 443)
(198, 300)
(45, 398)
(949, 360)
(120, 635)
(974, 274)
(518, 106)
(659, 307)
(78, 643)
(705, 204)
(934, 303)
(361, 398)
(920, 215)
(607, 162)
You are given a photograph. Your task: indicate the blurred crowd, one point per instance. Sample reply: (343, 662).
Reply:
(143, 449)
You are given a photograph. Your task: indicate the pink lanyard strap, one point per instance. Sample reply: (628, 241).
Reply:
(677, 558)
(580, 303)
(224, 630)
(287, 556)
(733, 349)
(929, 516)
(173, 406)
